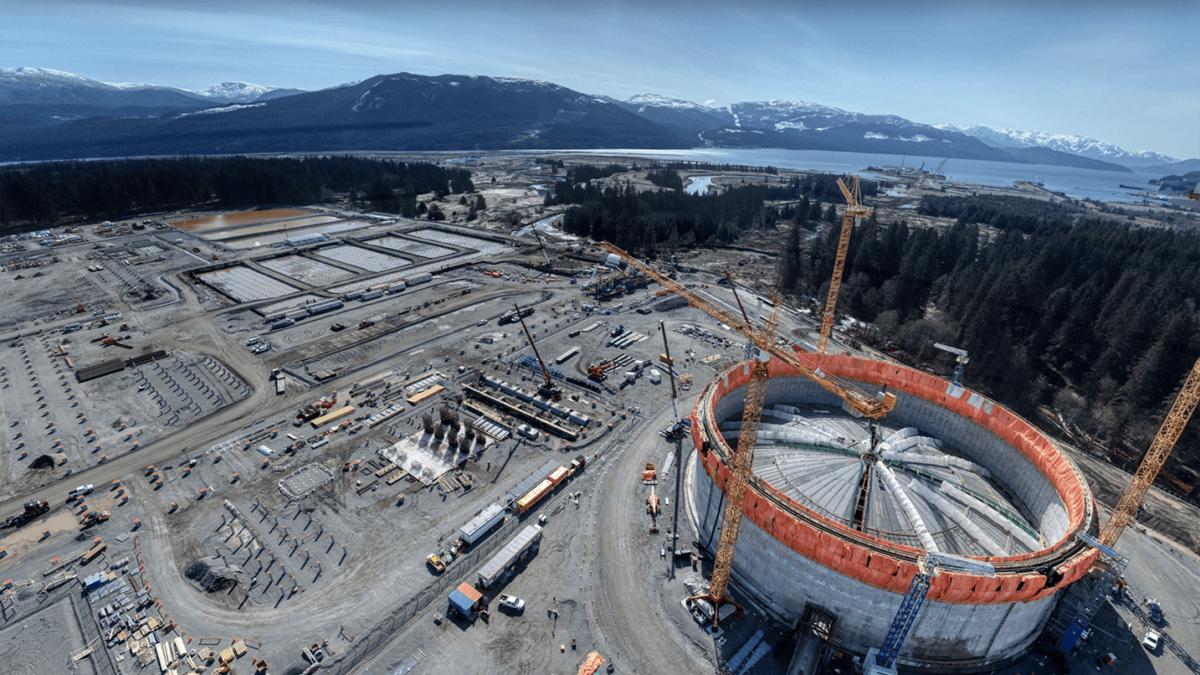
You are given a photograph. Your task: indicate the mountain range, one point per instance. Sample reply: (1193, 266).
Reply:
(403, 111)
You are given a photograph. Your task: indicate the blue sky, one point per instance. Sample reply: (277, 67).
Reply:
(1102, 69)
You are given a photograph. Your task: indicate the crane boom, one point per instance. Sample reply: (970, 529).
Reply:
(547, 387)
(851, 217)
(1160, 448)
(859, 402)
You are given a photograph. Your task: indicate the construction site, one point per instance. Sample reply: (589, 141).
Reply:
(328, 440)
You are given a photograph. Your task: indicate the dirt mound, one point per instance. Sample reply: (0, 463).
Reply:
(213, 574)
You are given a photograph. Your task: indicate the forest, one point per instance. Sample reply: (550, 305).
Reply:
(1093, 318)
(665, 220)
(36, 196)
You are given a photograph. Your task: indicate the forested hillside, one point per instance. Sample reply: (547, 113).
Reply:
(34, 196)
(665, 220)
(1096, 319)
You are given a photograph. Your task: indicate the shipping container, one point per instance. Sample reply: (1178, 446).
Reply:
(533, 497)
(531, 481)
(424, 394)
(566, 356)
(331, 416)
(559, 475)
(324, 306)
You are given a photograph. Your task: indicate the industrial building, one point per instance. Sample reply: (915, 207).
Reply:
(834, 525)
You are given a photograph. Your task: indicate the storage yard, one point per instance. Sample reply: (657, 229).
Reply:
(322, 440)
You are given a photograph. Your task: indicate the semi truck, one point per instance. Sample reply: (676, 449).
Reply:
(33, 509)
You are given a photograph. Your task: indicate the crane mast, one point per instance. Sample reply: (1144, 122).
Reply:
(1160, 448)
(851, 217)
(735, 487)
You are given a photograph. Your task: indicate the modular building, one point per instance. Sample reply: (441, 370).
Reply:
(500, 566)
(482, 524)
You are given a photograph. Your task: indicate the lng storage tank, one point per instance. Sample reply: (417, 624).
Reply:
(832, 524)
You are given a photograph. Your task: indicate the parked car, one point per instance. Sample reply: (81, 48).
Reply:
(512, 604)
(1150, 641)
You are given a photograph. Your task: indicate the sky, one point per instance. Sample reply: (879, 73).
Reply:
(1123, 74)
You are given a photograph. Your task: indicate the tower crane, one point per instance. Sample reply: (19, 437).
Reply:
(851, 217)
(1160, 448)
(763, 346)
(1111, 563)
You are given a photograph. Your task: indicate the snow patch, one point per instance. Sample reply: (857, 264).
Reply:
(660, 101)
(223, 109)
(875, 136)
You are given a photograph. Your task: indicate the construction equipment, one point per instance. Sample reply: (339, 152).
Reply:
(928, 566)
(1160, 448)
(761, 347)
(599, 371)
(547, 389)
(735, 489)
(856, 401)
(33, 509)
(851, 218)
(93, 518)
(960, 361)
(1079, 608)
(538, 235)
(649, 474)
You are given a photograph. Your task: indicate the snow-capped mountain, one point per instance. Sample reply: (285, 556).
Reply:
(660, 101)
(243, 92)
(45, 86)
(1071, 143)
(788, 115)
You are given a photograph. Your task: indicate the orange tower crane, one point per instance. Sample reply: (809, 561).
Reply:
(1160, 448)
(851, 217)
(763, 341)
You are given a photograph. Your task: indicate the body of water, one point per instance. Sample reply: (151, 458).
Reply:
(1078, 183)
(698, 185)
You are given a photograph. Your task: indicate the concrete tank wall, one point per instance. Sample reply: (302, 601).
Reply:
(948, 637)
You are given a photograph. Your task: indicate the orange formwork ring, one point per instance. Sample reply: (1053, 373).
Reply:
(882, 563)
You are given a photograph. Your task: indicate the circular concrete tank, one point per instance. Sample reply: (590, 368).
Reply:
(832, 524)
